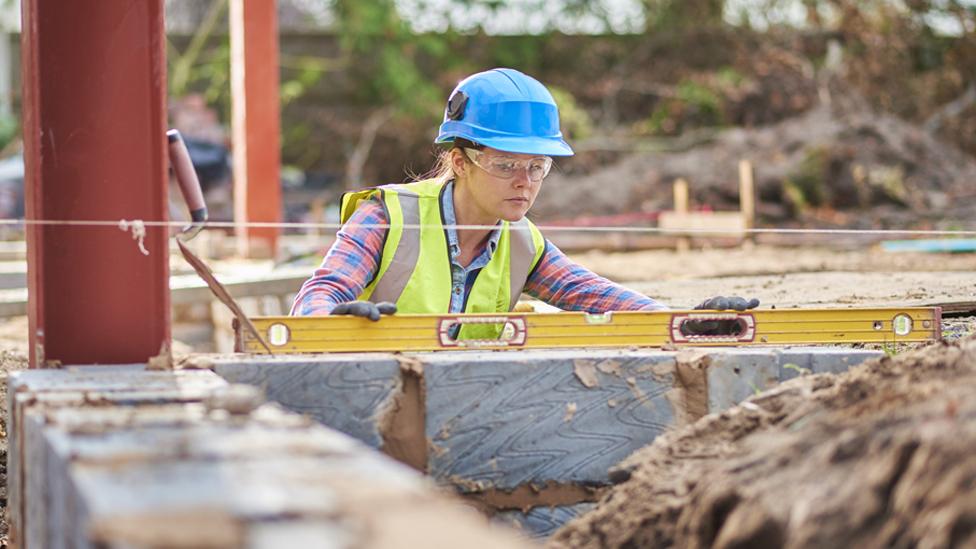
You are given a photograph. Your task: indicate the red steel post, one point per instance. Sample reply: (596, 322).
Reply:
(94, 115)
(256, 123)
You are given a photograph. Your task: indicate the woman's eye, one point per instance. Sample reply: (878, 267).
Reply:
(505, 167)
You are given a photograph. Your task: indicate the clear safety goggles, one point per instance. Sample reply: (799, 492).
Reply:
(506, 167)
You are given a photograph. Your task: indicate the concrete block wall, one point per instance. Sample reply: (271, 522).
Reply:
(497, 421)
(348, 393)
(123, 457)
(531, 435)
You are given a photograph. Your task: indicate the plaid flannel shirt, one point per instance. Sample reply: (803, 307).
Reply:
(352, 262)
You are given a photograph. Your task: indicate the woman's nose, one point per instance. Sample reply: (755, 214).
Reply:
(521, 178)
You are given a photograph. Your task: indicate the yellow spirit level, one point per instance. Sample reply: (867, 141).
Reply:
(432, 332)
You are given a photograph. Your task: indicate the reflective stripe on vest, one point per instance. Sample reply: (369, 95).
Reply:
(415, 269)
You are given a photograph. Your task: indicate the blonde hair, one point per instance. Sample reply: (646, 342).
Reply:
(443, 170)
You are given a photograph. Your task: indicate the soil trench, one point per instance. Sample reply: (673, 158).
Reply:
(880, 456)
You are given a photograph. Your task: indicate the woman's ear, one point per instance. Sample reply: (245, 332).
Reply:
(458, 162)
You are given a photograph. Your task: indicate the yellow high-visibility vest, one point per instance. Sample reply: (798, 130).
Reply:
(415, 268)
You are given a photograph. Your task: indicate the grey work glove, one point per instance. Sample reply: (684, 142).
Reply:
(718, 327)
(365, 309)
(721, 303)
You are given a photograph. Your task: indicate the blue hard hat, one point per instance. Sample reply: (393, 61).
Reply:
(506, 110)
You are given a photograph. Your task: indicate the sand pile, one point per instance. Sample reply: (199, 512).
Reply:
(884, 455)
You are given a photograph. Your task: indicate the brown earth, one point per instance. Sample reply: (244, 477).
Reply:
(880, 456)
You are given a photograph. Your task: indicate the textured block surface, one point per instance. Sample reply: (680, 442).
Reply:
(542, 522)
(735, 374)
(821, 360)
(499, 420)
(347, 393)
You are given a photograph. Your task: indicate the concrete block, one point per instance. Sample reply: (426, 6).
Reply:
(735, 374)
(178, 432)
(542, 522)
(33, 499)
(822, 360)
(49, 493)
(140, 467)
(43, 390)
(102, 471)
(500, 420)
(348, 392)
(130, 379)
(231, 497)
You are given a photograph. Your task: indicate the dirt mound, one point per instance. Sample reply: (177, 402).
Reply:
(841, 157)
(881, 456)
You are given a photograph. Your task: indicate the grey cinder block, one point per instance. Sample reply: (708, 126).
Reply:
(735, 374)
(348, 393)
(500, 420)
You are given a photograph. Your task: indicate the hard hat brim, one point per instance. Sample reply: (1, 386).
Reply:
(519, 145)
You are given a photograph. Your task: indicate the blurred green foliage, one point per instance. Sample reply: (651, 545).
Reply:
(678, 15)
(697, 63)
(806, 186)
(702, 100)
(576, 122)
(386, 55)
(691, 103)
(9, 129)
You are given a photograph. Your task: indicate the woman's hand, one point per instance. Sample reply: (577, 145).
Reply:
(720, 303)
(365, 309)
(718, 327)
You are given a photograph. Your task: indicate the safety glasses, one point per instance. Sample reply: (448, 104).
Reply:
(505, 167)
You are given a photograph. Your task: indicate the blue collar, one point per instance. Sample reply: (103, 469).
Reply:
(450, 218)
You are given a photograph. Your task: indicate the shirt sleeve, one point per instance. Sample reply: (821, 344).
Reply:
(350, 264)
(563, 283)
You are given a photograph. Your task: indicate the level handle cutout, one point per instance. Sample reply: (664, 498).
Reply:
(483, 331)
(713, 327)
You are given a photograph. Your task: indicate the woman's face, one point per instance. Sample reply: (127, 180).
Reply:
(498, 184)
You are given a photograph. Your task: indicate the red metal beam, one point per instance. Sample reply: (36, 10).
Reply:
(94, 87)
(256, 123)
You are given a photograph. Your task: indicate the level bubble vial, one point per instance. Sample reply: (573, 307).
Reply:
(902, 325)
(278, 334)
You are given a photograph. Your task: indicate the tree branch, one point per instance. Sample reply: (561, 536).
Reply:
(185, 61)
(360, 154)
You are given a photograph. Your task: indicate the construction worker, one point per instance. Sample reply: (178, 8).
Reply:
(459, 240)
